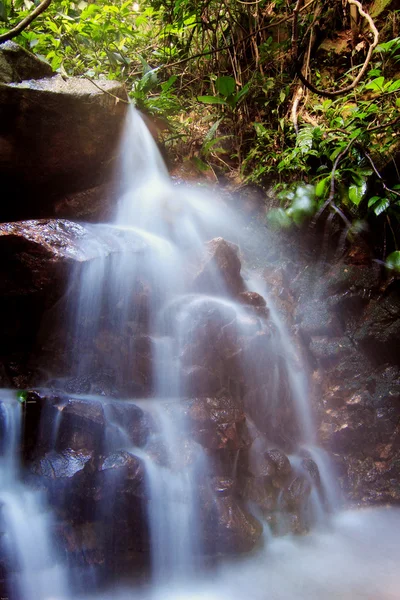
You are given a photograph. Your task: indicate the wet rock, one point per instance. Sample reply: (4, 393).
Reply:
(359, 422)
(222, 486)
(260, 492)
(218, 423)
(351, 278)
(61, 465)
(328, 350)
(311, 467)
(315, 319)
(200, 381)
(36, 259)
(68, 478)
(280, 461)
(124, 471)
(255, 301)
(136, 423)
(129, 358)
(17, 64)
(78, 120)
(379, 332)
(229, 528)
(220, 271)
(296, 495)
(82, 425)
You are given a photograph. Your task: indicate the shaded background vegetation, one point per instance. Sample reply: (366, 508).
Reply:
(254, 91)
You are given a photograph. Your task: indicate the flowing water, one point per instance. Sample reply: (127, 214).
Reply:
(159, 231)
(25, 521)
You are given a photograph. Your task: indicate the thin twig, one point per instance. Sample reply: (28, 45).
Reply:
(331, 196)
(379, 175)
(372, 46)
(9, 35)
(117, 98)
(227, 46)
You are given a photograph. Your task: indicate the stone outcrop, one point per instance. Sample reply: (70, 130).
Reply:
(17, 64)
(36, 260)
(347, 321)
(58, 140)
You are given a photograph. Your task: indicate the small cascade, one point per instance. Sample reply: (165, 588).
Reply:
(179, 431)
(34, 572)
(170, 321)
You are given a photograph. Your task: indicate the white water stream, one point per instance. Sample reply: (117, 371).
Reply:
(348, 555)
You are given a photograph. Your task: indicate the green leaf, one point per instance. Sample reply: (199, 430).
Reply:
(304, 139)
(22, 396)
(322, 186)
(225, 85)
(373, 200)
(356, 193)
(211, 100)
(393, 261)
(394, 86)
(381, 206)
(167, 85)
(376, 85)
(242, 93)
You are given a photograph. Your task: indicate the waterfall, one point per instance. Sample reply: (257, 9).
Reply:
(25, 521)
(206, 415)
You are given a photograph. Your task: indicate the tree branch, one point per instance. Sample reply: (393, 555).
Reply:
(227, 46)
(9, 35)
(372, 46)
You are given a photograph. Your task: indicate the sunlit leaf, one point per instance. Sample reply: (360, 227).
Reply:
(356, 193)
(322, 186)
(211, 100)
(393, 261)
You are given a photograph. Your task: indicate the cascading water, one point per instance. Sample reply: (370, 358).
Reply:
(25, 522)
(205, 413)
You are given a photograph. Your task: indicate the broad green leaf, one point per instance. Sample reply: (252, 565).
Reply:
(381, 206)
(394, 86)
(322, 186)
(373, 200)
(393, 261)
(225, 85)
(211, 100)
(356, 193)
(376, 85)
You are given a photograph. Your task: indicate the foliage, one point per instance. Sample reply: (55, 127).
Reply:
(225, 75)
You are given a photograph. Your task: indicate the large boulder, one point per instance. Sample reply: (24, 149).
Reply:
(17, 64)
(36, 259)
(58, 140)
(220, 270)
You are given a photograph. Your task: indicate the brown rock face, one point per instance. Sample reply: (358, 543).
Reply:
(229, 527)
(218, 423)
(351, 332)
(58, 140)
(36, 259)
(220, 271)
(17, 64)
